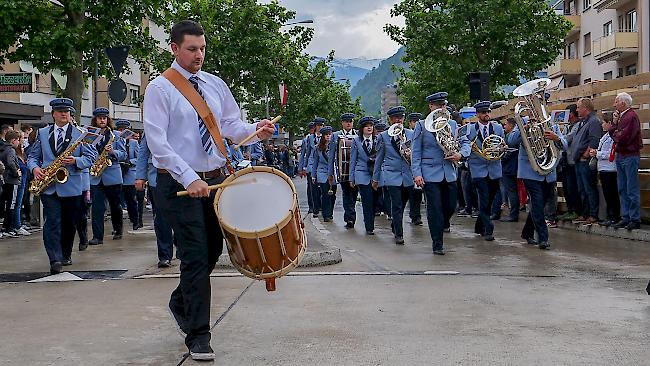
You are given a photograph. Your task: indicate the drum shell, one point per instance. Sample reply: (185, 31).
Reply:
(344, 155)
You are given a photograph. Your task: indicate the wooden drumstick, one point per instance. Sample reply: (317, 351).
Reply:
(217, 186)
(255, 133)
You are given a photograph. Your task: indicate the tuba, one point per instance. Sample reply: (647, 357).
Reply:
(103, 161)
(542, 153)
(437, 122)
(404, 145)
(55, 172)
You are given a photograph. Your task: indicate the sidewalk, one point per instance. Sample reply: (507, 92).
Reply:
(642, 234)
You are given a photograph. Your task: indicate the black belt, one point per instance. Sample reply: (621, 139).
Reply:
(217, 173)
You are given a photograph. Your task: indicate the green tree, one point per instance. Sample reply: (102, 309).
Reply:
(67, 36)
(447, 39)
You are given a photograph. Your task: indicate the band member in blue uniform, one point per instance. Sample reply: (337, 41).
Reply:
(435, 172)
(486, 174)
(108, 185)
(382, 198)
(81, 222)
(362, 164)
(312, 142)
(128, 173)
(302, 164)
(319, 173)
(397, 173)
(539, 187)
(415, 201)
(335, 175)
(61, 201)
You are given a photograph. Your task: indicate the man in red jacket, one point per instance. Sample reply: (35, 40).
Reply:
(626, 133)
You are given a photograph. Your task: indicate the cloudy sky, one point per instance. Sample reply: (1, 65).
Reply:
(353, 28)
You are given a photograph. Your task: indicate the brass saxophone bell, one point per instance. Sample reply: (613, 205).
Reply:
(61, 175)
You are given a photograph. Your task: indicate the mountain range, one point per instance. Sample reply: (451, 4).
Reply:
(353, 69)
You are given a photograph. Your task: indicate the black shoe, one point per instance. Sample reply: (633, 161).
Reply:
(416, 222)
(202, 352)
(117, 236)
(488, 238)
(633, 226)
(495, 217)
(56, 268)
(446, 230)
(67, 262)
(164, 263)
(315, 215)
(83, 246)
(463, 214)
(95, 242)
(399, 240)
(605, 223)
(349, 225)
(544, 245)
(327, 219)
(140, 225)
(509, 219)
(136, 227)
(530, 241)
(370, 233)
(621, 224)
(310, 211)
(439, 252)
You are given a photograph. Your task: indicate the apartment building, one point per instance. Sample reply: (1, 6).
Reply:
(609, 39)
(389, 99)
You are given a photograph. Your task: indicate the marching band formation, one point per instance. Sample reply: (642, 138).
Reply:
(390, 167)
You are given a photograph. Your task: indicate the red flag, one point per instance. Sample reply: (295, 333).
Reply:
(283, 94)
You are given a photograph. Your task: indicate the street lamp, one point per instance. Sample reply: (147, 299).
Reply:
(308, 21)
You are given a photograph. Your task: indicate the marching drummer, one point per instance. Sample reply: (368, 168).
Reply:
(189, 159)
(342, 169)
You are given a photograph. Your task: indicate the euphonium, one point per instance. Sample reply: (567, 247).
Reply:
(438, 122)
(542, 153)
(55, 171)
(494, 147)
(404, 145)
(103, 161)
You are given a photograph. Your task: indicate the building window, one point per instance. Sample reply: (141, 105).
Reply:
(587, 81)
(586, 4)
(571, 50)
(607, 29)
(627, 22)
(570, 8)
(587, 43)
(135, 95)
(608, 75)
(630, 70)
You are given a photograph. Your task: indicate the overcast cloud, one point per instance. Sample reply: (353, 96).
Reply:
(353, 28)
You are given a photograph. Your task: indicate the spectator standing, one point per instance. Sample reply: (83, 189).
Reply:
(12, 179)
(18, 228)
(607, 173)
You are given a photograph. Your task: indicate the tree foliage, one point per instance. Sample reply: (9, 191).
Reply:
(65, 34)
(447, 39)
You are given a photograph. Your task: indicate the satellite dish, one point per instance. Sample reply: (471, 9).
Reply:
(117, 91)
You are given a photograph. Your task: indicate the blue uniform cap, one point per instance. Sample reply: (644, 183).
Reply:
(483, 106)
(326, 130)
(415, 116)
(348, 116)
(61, 104)
(367, 120)
(122, 123)
(438, 97)
(319, 121)
(396, 111)
(100, 112)
(382, 126)
(467, 112)
(72, 111)
(310, 125)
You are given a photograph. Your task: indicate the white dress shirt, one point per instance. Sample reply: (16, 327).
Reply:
(172, 125)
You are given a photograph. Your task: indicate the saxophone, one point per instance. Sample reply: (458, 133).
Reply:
(103, 161)
(55, 172)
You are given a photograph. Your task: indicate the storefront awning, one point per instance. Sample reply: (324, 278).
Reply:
(20, 111)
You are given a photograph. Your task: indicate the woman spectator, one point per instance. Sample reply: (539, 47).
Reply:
(22, 189)
(607, 173)
(12, 179)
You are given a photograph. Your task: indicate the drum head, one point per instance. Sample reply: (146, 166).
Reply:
(255, 206)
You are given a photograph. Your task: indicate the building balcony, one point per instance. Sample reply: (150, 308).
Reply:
(564, 67)
(615, 46)
(575, 21)
(601, 5)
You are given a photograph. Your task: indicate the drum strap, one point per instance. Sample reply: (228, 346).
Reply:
(201, 106)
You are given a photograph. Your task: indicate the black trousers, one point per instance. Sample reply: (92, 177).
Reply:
(399, 197)
(310, 193)
(131, 203)
(199, 244)
(415, 204)
(315, 194)
(487, 189)
(9, 194)
(81, 220)
(539, 192)
(368, 205)
(327, 200)
(99, 193)
(610, 191)
(570, 189)
(387, 202)
(139, 196)
(349, 202)
(441, 205)
(58, 228)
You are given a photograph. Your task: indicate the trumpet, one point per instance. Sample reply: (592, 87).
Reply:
(404, 145)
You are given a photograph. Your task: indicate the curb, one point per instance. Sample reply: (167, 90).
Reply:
(638, 235)
(311, 259)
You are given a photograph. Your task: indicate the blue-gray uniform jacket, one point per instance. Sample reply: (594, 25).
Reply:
(360, 164)
(480, 167)
(333, 150)
(144, 169)
(255, 150)
(85, 179)
(524, 169)
(397, 171)
(320, 166)
(428, 160)
(302, 161)
(312, 142)
(42, 155)
(235, 155)
(113, 174)
(132, 158)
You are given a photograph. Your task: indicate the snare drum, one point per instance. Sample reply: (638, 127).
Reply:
(261, 223)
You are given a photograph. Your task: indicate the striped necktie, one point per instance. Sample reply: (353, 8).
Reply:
(206, 139)
(59, 140)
